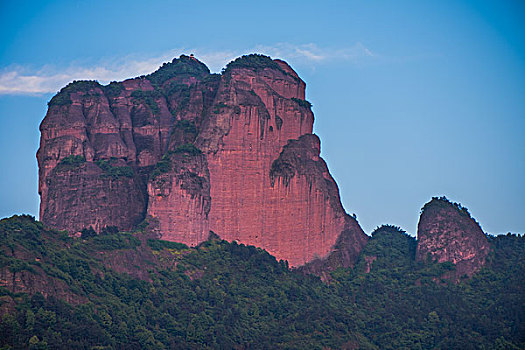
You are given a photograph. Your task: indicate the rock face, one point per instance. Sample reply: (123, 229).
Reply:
(196, 152)
(447, 232)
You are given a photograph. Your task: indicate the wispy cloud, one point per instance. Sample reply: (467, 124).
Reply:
(312, 53)
(48, 79)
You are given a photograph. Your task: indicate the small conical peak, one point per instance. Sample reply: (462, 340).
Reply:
(253, 61)
(257, 61)
(444, 203)
(387, 230)
(447, 233)
(188, 65)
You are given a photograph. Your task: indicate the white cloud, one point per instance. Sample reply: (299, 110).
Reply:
(312, 53)
(49, 79)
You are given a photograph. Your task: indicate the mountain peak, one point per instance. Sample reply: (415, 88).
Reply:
(194, 152)
(447, 232)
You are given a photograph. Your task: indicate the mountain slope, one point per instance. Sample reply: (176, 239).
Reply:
(128, 291)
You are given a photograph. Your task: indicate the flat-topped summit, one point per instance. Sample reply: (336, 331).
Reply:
(194, 152)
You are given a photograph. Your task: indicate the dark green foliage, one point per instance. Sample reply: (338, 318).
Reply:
(182, 93)
(114, 171)
(113, 89)
(60, 99)
(71, 162)
(163, 166)
(115, 241)
(186, 126)
(64, 95)
(109, 230)
(406, 304)
(253, 61)
(158, 244)
(188, 148)
(444, 202)
(149, 98)
(87, 232)
(302, 103)
(212, 78)
(110, 239)
(225, 295)
(184, 65)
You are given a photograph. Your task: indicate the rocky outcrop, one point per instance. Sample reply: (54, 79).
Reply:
(196, 152)
(180, 197)
(447, 233)
(100, 144)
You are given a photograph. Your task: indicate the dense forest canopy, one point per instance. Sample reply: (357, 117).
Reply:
(131, 291)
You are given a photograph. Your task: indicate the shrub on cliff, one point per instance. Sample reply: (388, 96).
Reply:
(149, 98)
(187, 148)
(163, 166)
(444, 202)
(63, 97)
(71, 162)
(114, 171)
(186, 126)
(113, 89)
(302, 103)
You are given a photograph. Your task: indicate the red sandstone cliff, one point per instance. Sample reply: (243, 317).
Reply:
(194, 152)
(447, 232)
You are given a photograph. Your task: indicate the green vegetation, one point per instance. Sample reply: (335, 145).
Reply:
(186, 126)
(302, 103)
(149, 98)
(225, 295)
(114, 171)
(184, 65)
(444, 202)
(212, 78)
(182, 91)
(158, 244)
(64, 95)
(255, 61)
(70, 162)
(115, 241)
(163, 166)
(113, 89)
(188, 148)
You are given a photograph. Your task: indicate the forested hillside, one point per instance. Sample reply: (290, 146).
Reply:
(130, 291)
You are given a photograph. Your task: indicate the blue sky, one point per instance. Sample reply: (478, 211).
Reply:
(412, 99)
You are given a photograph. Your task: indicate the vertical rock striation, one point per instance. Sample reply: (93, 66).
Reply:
(231, 153)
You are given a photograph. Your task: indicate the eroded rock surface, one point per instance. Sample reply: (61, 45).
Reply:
(447, 232)
(196, 152)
